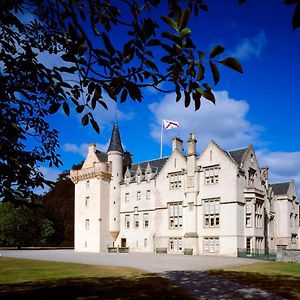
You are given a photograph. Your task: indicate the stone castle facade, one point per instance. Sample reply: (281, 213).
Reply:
(214, 203)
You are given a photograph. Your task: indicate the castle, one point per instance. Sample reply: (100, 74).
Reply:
(214, 203)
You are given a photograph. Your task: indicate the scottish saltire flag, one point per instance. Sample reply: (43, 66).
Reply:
(168, 124)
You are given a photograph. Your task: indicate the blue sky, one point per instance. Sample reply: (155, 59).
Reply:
(260, 107)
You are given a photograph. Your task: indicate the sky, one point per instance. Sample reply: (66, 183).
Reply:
(259, 107)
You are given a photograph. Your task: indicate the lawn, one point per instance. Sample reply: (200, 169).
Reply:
(35, 279)
(279, 278)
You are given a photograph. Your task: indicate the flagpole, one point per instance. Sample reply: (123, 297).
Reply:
(161, 137)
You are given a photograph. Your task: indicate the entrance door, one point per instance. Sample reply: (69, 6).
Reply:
(123, 243)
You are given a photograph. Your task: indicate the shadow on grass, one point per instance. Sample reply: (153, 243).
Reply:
(147, 287)
(284, 286)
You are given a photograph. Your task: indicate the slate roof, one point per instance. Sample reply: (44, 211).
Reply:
(115, 140)
(238, 154)
(280, 188)
(102, 156)
(156, 165)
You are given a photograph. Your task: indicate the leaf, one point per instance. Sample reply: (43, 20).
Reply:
(85, 120)
(103, 104)
(54, 107)
(108, 45)
(184, 18)
(178, 93)
(66, 108)
(217, 50)
(204, 7)
(296, 17)
(81, 49)
(171, 37)
(184, 32)
(95, 125)
(80, 108)
(187, 99)
(201, 71)
(215, 72)
(72, 32)
(170, 22)
(154, 42)
(197, 97)
(91, 87)
(124, 95)
(232, 63)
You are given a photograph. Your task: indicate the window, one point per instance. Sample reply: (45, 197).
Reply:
(212, 213)
(248, 212)
(87, 200)
(175, 244)
(259, 243)
(251, 175)
(148, 195)
(211, 174)
(293, 238)
(291, 220)
(146, 220)
(87, 185)
(175, 181)
(138, 196)
(145, 243)
(127, 221)
(175, 215)
(136, 221)
(126, 197)
(259, 214)
(87, 224)
(211, 245)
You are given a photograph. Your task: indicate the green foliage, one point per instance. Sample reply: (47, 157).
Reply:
(16, 226)
(46, 230)
(20, 226)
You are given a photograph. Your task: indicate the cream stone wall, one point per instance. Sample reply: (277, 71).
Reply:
(113, 200)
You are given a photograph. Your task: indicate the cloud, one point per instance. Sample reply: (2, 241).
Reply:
(83, 148)
(283, 166)
(224, 122)
(248, 48)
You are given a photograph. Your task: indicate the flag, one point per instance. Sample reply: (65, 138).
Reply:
(168, 124)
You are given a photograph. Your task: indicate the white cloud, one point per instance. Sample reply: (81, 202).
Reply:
(283, 166)
(224, 122)
(83, 148)
(250, 47)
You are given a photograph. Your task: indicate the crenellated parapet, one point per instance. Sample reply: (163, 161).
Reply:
(99, 170)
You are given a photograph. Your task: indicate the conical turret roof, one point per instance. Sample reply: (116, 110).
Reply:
(115, 140)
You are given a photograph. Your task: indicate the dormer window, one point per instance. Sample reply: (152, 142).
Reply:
(252, 158)
(138, 178)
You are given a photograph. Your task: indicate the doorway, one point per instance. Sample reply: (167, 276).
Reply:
(123, 243)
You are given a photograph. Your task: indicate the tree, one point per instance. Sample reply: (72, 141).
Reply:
(78, 31)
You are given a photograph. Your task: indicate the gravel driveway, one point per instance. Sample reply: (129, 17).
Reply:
(148, 262)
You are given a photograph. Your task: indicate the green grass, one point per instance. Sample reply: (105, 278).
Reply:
(33, 279)
(14, 270)
(279, 278)
(271, 268)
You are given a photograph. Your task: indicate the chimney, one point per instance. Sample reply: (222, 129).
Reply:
(192, 144)
(177, 144)
(92, 148)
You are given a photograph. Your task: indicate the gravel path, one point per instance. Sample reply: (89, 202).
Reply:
(153, 263)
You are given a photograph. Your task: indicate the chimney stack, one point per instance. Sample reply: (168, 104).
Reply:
(177, 144)
(192, 144)
(92, 148)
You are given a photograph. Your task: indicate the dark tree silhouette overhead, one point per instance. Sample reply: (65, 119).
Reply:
(157, 50)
